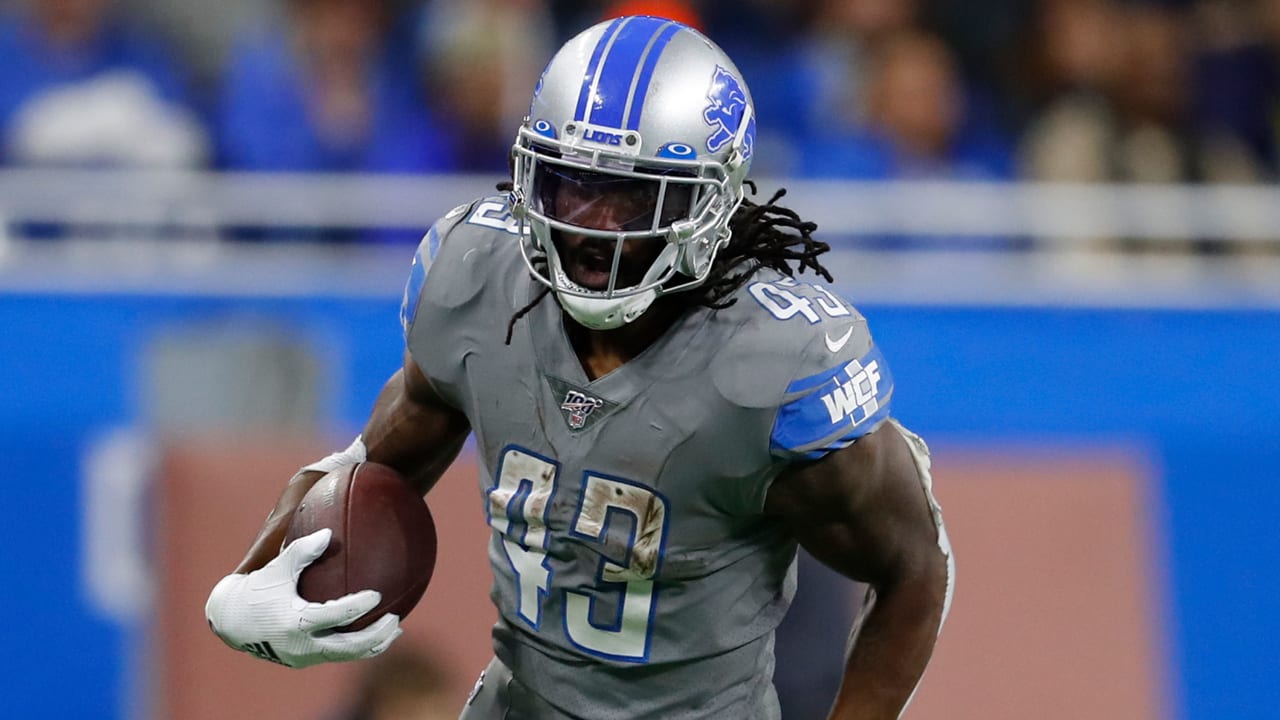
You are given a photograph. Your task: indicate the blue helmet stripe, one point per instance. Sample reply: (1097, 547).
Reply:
(621, 64)
(593, 67)
(640, 85)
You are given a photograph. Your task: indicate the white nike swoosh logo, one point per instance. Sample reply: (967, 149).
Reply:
(835, 345)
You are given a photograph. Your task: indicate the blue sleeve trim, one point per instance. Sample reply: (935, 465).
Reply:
(832, 409)
(433, 243)
(418, 278)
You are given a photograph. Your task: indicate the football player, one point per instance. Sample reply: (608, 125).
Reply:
(657, 438)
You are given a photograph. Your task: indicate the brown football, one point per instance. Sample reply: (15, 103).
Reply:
(383, 539)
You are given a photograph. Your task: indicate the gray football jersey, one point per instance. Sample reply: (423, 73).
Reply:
(634, 572)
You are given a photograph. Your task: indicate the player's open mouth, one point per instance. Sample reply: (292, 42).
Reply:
(590, 268)
(588, 261)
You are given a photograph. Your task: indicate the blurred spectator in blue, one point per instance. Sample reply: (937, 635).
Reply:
(843, 39)
(912, 128)
(910, 122)
(78, 86)
(985, 36)
(806, 65)
(818, 91)
(1078, 56)
(1120, 106)
(1237, 81)
(481, 59)
(332, 91)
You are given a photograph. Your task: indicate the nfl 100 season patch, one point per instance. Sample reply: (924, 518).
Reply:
(579, 407)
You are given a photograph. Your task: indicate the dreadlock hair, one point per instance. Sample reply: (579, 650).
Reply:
(507, 186)
(761, 235)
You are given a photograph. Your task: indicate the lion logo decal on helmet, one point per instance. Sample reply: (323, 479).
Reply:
(728, 101)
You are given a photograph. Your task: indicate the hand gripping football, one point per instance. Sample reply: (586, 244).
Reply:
(383, 539)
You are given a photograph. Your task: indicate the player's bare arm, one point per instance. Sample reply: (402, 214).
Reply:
(257, 609)
(865, 512)
(411, 429)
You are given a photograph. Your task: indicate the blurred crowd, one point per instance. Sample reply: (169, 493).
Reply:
(1084, 90)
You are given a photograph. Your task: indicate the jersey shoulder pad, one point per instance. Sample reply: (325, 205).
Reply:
(841, 391)
(814, 360)
(446, 269)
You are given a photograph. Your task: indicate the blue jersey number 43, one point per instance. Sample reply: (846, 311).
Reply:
(522, 495)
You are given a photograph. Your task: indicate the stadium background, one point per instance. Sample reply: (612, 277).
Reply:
(1090, 349)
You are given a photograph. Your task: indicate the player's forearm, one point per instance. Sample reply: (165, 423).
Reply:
(418, 441)
(409, 429)
(893, 648)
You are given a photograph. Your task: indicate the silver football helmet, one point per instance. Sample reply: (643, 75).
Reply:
(640, 132)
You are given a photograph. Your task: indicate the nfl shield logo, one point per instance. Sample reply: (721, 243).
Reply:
(578, 406)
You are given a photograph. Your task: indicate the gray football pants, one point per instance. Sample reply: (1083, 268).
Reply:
(498, 696)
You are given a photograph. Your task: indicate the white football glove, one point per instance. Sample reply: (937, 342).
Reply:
(262, 614)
